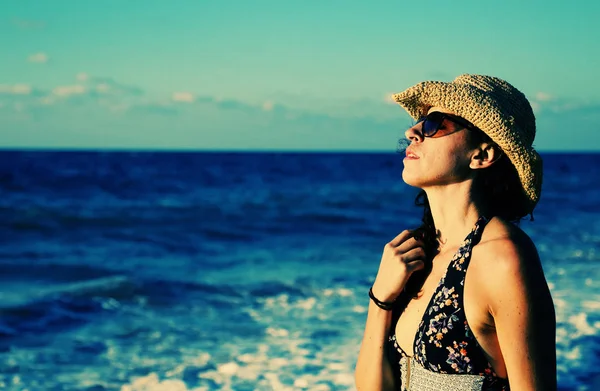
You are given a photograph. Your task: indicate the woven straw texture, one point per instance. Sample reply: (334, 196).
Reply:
(423, 380)
(495, 107)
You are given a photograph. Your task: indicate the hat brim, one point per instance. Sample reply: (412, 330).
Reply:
(482, 111)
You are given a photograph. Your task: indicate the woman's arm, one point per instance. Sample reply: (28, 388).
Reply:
(373, 370)
(401, 257)
(523, 311)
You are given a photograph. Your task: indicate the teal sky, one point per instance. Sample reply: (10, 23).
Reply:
(281, 75)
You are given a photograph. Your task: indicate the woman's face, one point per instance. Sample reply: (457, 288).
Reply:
(437, 161)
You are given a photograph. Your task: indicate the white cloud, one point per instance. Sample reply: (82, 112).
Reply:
(65, 91)
(82, 76)
(107, 85)
(15, 89)
(566, 106)
(102, 87)
(268, 106)
(38, 57)
(535, 106)
(47, 100)
(187, 97)
(543, 97)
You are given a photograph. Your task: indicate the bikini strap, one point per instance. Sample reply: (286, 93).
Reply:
(462, 257)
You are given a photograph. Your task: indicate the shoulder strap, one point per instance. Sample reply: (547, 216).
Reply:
(462, 257)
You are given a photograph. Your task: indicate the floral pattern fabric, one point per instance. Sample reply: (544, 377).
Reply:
(444, 342)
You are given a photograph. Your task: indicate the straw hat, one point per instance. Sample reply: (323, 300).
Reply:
(495, 107)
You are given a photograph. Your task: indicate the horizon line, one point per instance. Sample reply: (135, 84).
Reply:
(239, 150)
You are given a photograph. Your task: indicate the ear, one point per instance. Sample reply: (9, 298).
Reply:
(484, 156)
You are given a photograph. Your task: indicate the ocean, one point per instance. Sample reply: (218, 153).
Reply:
(138, 271)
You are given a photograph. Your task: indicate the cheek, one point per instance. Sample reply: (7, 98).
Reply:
(456, 163)
(455, 154)
(443, 165)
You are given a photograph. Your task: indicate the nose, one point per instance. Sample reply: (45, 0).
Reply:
(414, 133)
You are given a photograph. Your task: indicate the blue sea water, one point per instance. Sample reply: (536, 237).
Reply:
(140, 271)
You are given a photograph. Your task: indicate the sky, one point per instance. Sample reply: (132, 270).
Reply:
(281, 75)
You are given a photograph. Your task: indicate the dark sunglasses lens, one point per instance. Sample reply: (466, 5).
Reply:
(432, 124)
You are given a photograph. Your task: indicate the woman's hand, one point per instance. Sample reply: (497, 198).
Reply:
(401, 257)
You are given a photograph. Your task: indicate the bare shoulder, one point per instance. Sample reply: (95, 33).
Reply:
(506, 261)
(505, 246)
(511, 286)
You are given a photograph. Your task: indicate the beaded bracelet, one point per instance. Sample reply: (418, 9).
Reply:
(384, 305)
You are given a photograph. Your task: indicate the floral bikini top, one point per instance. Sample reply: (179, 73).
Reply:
(444, 342)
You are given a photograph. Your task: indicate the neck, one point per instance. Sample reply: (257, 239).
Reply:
(454, 212)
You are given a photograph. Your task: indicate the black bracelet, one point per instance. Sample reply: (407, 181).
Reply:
(384, 305)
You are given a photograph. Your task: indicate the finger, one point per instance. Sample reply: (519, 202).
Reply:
(416, 254)
(408, 245)
(415, 265)
(400, 238)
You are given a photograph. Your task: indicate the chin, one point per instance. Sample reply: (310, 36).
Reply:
(412, 178)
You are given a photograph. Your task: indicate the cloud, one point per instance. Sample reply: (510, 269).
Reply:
(66, 91)
(186, 97)
(82, 76)
(47, 100)
(224, 104)
(102, 95)
(543, 97)
(88, 90)
(154, 108)
(40, 57)
(230, 104)
(118, 108)
(102, 88)
(16, 89)
(573, 109)
(107, 85)
(268, 106)
(546, 104)
(216, 122)
(207, 99)
(377, 105)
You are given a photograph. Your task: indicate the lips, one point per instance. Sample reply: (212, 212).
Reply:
(410, 154)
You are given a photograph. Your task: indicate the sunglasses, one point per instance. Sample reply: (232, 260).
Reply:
(432, 124)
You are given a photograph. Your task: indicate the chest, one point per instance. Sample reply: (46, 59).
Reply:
(408, 323)
(440, 303)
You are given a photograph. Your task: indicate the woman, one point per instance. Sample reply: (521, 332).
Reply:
(461, 303)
